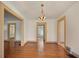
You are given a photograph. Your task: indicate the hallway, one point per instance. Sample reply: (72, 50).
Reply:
(30, 50)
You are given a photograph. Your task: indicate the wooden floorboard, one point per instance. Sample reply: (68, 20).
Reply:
(30, 50)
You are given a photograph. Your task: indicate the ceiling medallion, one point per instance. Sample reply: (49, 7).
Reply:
(42, 17)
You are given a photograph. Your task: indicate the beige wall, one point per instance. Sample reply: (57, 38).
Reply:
(52, 30)
(1, 31)
(72, 19)
(30, 30)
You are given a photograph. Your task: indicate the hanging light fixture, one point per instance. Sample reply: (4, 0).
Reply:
(42, 17)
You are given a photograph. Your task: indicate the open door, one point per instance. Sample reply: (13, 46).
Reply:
(41, 35)
(41, 32)
(61, 31)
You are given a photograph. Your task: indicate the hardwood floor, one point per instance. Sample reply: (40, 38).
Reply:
(30, 50)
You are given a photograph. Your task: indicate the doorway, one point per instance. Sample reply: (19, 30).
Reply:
(61, 31)
(41, 31)
(41, 35)
(13, 32)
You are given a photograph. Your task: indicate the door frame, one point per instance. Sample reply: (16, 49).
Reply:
(58, 21)
(18, 16)
(4, 7)
(45, 25)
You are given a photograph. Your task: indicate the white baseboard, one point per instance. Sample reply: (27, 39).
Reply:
(75, 54)
(72, 52)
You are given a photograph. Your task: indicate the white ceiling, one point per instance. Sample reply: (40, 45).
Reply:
(31, 9)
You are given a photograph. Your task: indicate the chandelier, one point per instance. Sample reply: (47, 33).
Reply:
(42, 17)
